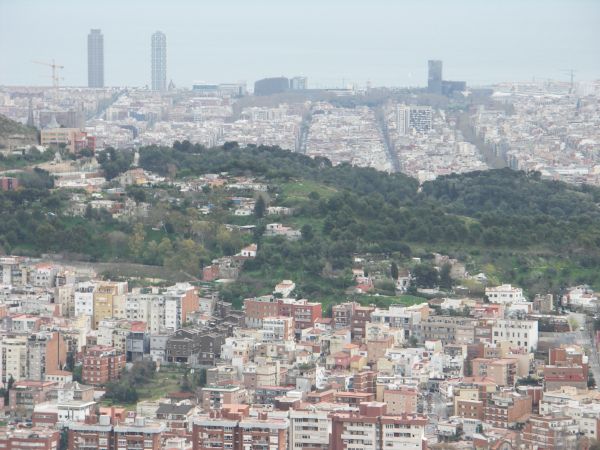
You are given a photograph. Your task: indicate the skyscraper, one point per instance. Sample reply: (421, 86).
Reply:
(159, 61)
(95, 59)
(434, 80)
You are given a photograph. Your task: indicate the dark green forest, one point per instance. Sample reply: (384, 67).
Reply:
(502, 214)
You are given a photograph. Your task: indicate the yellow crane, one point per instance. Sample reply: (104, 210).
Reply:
(55, 68)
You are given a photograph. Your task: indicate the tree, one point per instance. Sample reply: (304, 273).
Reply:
(136, 241)
(185, 385)
(426, 276)
(307, 232)
(77, 373)
(394, 271)
(259, 207)
(445, 278)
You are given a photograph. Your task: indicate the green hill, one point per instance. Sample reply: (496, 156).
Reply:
(516, 227)
(13, 134)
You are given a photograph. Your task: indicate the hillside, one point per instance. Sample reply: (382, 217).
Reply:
(13, 134)
(516, 227)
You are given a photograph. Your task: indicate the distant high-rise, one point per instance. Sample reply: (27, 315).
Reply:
(420, 118)
(95, 59)
(434, 80)
(299, 83)
(402, 119)
(159, 61)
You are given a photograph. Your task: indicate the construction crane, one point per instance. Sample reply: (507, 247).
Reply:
(55, 67)
(572, 73)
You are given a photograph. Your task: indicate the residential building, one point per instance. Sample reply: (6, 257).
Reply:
(309, 428)
(14, 358)
(568, 366)
(102, 365)
(73, 139)
(9, 184)
(278, 329)
(506, 409)
(550, 432)
(420, 118)
(24, 395)
(233, 428)
(108, 433)
(214, 397)
(505, 294)
(371, 428)
(37, 437)
(109, 301)
(521, 334)
(502, 371)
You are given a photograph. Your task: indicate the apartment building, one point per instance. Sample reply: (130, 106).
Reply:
(232, 428)
(107, 433)
(502, 371)
(214, 397)
(109, 301)
(401, 400)
(448, 329)
(72, 139)
(278, 329)
(371, 428)
(309, 428)
(506, 409)
(102, 365)
(550, 432)
(522, 334)
(24, 395)
(38, 438)
(505, 294)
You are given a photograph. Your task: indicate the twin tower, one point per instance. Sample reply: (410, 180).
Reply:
(96, 60)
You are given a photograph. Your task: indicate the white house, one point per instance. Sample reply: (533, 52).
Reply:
(519, 333)
(505, 294)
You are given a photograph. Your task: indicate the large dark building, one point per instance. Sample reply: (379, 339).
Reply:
(434, 79)
(437, 85)
(450, 87)
(269, 86)
(95, 59)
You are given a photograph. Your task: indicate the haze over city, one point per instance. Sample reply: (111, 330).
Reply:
(332, 42)
(311, 225)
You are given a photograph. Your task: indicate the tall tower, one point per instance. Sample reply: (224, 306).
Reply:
(434, 80)
(95, 59)
(159, 61)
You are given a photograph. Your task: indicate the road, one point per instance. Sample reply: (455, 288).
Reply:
(585, 338)
(389, 148)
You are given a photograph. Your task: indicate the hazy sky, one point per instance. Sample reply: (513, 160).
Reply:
(385, 41)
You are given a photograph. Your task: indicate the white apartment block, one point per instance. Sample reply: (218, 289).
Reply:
(278, 329)
(519, 333)
(398, 432)
(505, 294)
(149, 308)
(84, 299)
(13, 352)
(309, 429)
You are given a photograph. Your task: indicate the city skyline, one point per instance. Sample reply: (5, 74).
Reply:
(362, 44)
